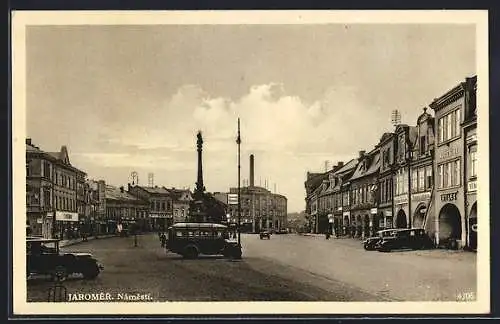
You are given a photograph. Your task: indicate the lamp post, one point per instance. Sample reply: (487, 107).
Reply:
(238, 141)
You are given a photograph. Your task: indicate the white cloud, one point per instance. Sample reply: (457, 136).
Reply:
(288, 136)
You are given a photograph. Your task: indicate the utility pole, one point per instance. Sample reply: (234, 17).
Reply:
(238, 141)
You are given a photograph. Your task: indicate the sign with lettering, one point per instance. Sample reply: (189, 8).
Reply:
(449, 196)
(66, 216)
(373, 211)
(449, 153)
(388, 213)
(421, 196)
(50, 214)
(401, 199)
(472, 186)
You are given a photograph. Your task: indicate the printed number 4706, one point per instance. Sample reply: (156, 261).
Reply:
(466, 296)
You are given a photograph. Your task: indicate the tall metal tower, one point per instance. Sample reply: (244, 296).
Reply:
(151, 181)
(395, 117)
(135, 178)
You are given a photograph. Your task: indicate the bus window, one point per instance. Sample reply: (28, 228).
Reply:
(178, 233)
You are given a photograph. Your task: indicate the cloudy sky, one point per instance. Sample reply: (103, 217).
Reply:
(131, 98)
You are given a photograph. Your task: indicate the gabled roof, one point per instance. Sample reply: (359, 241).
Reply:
(155, 190)
(347, 167)
(373, 167)
(115, 193)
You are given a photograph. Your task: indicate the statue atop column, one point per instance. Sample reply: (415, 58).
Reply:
(200, 188)
(204, 207)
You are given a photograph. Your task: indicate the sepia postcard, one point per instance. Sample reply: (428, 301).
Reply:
(250, 162)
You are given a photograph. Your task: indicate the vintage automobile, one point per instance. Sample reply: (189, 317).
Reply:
(265, 234)
(193, 239)
(413, 238)
(370, 244)
(44, 257)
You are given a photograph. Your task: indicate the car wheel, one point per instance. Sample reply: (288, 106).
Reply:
(60, 273)
(190, 252)
(91, 272)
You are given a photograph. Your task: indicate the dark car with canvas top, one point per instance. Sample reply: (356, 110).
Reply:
(370, 244)
(412, 239)
(44, 257)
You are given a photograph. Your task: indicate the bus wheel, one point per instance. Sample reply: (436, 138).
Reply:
(190, 252)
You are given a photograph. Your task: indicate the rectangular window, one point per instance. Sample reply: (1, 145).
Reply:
(440, 130)
(428, 177)
(163, 205)
(448, 126)
(414, 179)
(441, 176)
(421, 179)
(458, 120)
(473, 161)
(457, 172)
(452, 122)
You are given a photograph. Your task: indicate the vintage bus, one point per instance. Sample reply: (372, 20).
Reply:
(193, 239)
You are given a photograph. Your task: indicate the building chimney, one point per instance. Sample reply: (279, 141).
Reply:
(28, 141)
(252, 170)
(361, 154)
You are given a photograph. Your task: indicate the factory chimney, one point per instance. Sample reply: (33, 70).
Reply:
(251, 170)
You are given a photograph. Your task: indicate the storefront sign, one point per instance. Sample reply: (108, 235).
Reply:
(66, 216)
(472, 186)
(373, 211)
(388, 213)
(159, 215)
(39, 220)
(339, 209)
(401, 199)
(449, 196)
(50, 214)
(449, 153)
(421, 196)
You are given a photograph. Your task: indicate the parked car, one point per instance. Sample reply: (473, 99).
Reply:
(193, 239)
(44, 257)
(414, 238)
(370, 244)
(265, 234)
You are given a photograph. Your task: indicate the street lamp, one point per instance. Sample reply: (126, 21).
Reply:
(238, 141)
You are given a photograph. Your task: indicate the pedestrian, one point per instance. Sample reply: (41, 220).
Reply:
(163, 240)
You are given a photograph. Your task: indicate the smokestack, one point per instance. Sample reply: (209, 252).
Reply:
(252, 170)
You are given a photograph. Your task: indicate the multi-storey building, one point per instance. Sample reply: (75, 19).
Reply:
(422, 173)
(312, 184)
(181, 198)
(341, 209)
(51, 192)
(405, 137)
(470, 135)
(160, 205)
(363, 188)
(260, 209)
(387, 145)
(123, 209)
(449, 200)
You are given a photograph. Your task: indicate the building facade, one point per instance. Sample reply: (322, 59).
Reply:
(123, 209)
(450, 198)
(341, 206)
(405, 138)
(51, 193)
(160, 213)
(422, 173)
(260, 209)
(387, 145)
(471, 166)
(363, 192)
(181, 199)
